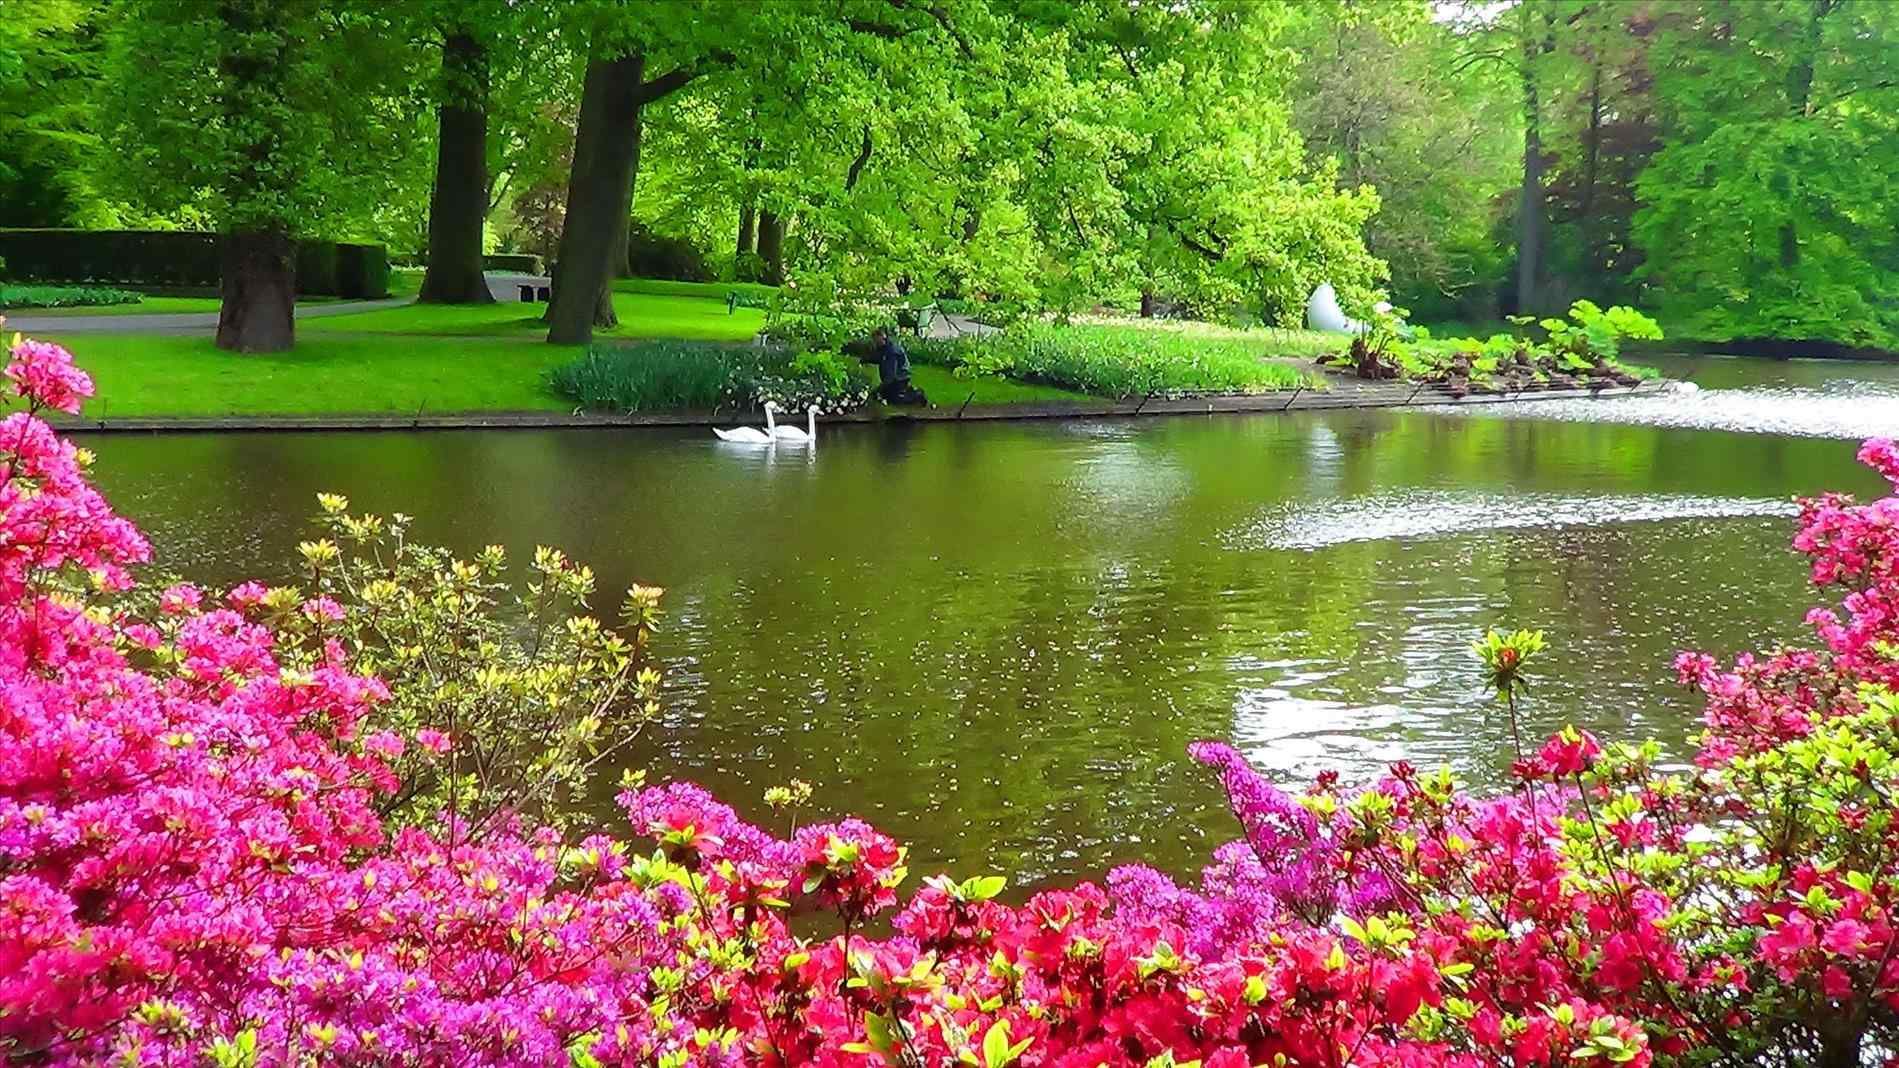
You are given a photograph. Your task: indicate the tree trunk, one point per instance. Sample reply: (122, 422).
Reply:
(1530, 205)
(1147, 304)
(771, 246)
(258, 284)
(257, 256)
(459, 203)
(618, 265)
(747, 228)
(1800, 98)
(606, 150)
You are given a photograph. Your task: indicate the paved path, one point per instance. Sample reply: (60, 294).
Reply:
(175, 323)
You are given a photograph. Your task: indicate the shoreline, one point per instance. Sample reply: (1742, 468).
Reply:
(1340, 394)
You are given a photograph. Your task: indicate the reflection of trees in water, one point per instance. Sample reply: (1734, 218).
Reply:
(997, 640)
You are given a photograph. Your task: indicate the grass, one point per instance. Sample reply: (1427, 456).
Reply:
(1120, 359)
(947, 389)
(141, 375)
(1267, 341)
(710, 290)
(641, 316)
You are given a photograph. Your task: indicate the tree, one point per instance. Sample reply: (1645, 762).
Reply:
(1768, 210)
(50, 53)
(262, 115)
(458, 203)
(1383, 90)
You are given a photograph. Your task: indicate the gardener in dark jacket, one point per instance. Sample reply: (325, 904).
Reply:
(893, 370)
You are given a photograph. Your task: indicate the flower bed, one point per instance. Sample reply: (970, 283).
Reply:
(262, 829)
(700, 375)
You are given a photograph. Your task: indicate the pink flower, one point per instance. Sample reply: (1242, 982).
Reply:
(246, 595)
(385, 744)
(1568, 752)
(1845, 938)
(180, 599)
(432, 740)
(323, 609)
(44, 373)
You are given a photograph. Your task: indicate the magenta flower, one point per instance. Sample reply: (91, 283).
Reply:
(44, 373)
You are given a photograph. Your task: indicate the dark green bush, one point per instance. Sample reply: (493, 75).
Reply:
(362, 272)
(181, 258)
(316, 268)
(12, 296)
(520, 262)
(651, 255)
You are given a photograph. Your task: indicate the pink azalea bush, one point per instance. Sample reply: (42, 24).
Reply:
(210, 854)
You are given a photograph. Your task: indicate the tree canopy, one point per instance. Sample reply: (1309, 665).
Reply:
(1728, 163)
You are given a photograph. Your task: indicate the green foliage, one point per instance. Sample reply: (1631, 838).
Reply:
(50, 55)
(531, 689)
(653, 255)
(63, 296)
(702, 376)
(1113, 361)
(1390, 93)
(1769, 211)
(279, 116)
(1584, 346)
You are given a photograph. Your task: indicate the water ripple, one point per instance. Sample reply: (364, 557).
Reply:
(1434, 513)
(1856, 410)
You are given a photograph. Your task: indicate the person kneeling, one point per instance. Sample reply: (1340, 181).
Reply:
(893, 371)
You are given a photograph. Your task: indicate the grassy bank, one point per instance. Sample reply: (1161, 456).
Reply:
(1131, 358)
(140, 375)
(489, 358)
(642, 315)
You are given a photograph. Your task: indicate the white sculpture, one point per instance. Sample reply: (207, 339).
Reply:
(1323, 312)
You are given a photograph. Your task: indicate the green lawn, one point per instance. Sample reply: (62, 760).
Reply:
(188, 376)
(642, 315)
(709, 290)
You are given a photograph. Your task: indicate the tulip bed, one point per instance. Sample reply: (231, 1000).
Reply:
(232, 834)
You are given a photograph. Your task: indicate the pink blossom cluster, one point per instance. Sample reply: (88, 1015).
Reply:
(195, 868)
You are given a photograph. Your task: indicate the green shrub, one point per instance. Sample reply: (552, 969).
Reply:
(520, 262)
(63, 296)
(362, 272)
(651, 255)
(1114, 361)
(181, 258)
(657, 375)
(1572, 351)
(704, 375)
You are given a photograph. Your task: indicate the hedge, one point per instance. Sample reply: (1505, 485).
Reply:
(180, 258)
(523, 262)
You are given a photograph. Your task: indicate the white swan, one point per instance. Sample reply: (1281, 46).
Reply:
(750, 435)
(807, 436)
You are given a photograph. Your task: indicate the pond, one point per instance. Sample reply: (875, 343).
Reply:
(996, 640)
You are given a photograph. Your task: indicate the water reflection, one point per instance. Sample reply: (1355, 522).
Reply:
(997, 640)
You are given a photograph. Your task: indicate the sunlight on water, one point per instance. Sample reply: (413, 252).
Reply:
(1428, 513)
(1806, 400)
